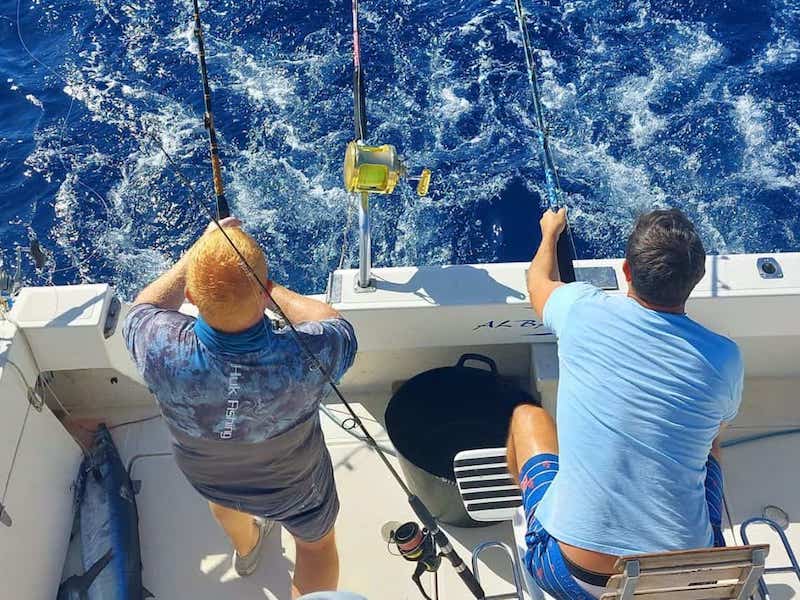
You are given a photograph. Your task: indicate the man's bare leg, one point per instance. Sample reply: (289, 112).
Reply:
(532, 432)
(316, 566)
(240, 527)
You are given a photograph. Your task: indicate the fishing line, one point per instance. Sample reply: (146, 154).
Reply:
(346, 233)
(64, 80)
(4, 516)
(25, 46)
(135, 421)
(97, 194)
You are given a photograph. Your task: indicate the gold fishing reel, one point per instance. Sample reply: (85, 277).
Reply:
(377, 169)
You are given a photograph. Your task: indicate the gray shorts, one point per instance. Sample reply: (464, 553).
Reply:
(309, 511)
(288, 478)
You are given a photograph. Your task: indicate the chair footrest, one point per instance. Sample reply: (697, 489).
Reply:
(487, 490)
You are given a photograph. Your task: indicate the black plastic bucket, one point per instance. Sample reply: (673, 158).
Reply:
(441, 412)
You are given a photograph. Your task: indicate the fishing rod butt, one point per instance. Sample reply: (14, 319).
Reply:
(565, 253)
(472, 583)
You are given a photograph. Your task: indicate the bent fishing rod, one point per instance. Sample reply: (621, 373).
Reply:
(419, 508)
(219, 191)
(566, 246)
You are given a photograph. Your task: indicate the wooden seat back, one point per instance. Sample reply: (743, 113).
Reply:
(704, 574)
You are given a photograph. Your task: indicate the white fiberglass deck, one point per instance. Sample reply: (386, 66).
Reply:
(186, 555)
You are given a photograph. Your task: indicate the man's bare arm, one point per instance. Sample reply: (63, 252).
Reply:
(299, 308)
(543, 273)
(168, 291)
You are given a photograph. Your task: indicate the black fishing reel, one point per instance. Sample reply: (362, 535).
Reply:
(415, 544)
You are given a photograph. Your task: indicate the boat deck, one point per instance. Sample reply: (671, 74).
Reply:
(186, 555)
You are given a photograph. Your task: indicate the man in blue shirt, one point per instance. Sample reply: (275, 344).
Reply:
(643, 394)
(241, 398)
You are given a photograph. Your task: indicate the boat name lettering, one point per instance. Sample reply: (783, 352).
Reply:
(510, 324)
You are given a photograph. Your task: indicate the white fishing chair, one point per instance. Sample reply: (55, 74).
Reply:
(489, 494)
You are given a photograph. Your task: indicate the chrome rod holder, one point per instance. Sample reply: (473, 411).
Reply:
(364, 283)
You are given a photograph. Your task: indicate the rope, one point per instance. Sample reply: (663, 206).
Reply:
(40, 381)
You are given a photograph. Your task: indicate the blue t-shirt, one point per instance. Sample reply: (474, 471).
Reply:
(244, 387)
(641, 397)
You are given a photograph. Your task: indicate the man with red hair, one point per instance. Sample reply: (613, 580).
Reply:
(241, 399)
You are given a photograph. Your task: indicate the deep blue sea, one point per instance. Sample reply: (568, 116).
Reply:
(694, 104)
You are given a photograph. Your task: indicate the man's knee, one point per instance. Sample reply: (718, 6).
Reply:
(533, 431)
(527, 418)
(322, 544)
(223, 513)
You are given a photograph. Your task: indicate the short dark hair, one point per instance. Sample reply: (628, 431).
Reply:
(666, 257)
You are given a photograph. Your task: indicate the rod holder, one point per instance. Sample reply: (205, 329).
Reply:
(374, 170)
(364, 283)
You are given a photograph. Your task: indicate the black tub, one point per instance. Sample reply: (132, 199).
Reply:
(438, 413)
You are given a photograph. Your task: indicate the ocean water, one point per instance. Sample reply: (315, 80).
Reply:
(684, 103)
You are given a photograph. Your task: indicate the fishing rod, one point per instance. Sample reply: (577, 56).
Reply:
(419, 508)
(359, 99)
(566, 246)
(219, 191)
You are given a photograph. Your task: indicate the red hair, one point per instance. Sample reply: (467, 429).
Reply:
(223, 289)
